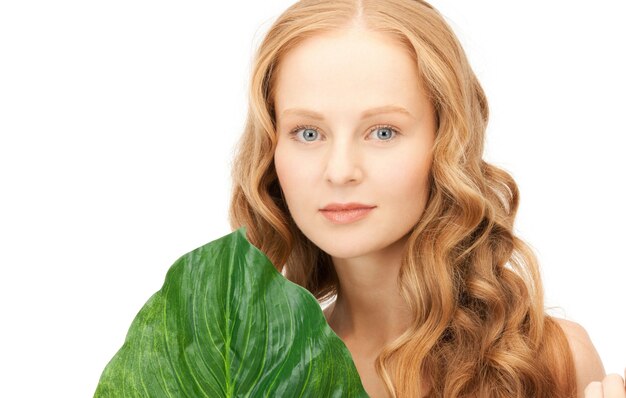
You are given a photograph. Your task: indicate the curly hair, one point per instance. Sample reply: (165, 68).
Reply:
(479, 327)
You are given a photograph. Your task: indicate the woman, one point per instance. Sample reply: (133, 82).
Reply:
(360, 176)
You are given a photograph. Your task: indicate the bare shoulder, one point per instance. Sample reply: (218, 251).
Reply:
(586, 358)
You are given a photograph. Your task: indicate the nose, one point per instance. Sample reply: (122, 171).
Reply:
(343, 165)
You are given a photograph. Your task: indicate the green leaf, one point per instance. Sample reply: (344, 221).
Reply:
(226, 323)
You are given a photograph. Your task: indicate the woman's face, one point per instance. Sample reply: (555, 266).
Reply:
(333, 147)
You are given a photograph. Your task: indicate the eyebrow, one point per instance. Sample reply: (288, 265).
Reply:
(367, 113)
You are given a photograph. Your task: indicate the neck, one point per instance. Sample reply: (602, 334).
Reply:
(369, 311)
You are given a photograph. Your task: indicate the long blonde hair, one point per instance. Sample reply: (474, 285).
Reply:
(480, 328)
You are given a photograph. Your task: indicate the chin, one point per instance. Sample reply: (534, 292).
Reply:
(345, 249)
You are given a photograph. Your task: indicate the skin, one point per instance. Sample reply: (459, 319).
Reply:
(592, 381)
(343, 157)
(340, 76)
(612, 386)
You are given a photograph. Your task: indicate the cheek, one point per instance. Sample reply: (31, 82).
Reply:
(290, 170)
(405, 178)
(280, 164)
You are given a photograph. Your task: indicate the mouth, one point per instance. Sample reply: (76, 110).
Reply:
(347, 215)
(346, 206)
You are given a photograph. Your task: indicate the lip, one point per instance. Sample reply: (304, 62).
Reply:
(347, 213)
(345, 206)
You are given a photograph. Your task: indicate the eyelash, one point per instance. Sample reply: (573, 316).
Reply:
(293, 132)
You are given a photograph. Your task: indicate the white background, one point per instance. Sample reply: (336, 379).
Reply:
(117, 125)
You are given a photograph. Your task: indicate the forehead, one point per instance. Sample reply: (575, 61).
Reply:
(347, 71)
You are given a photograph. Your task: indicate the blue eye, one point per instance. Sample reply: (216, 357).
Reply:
(386, 129)
(310, 133)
